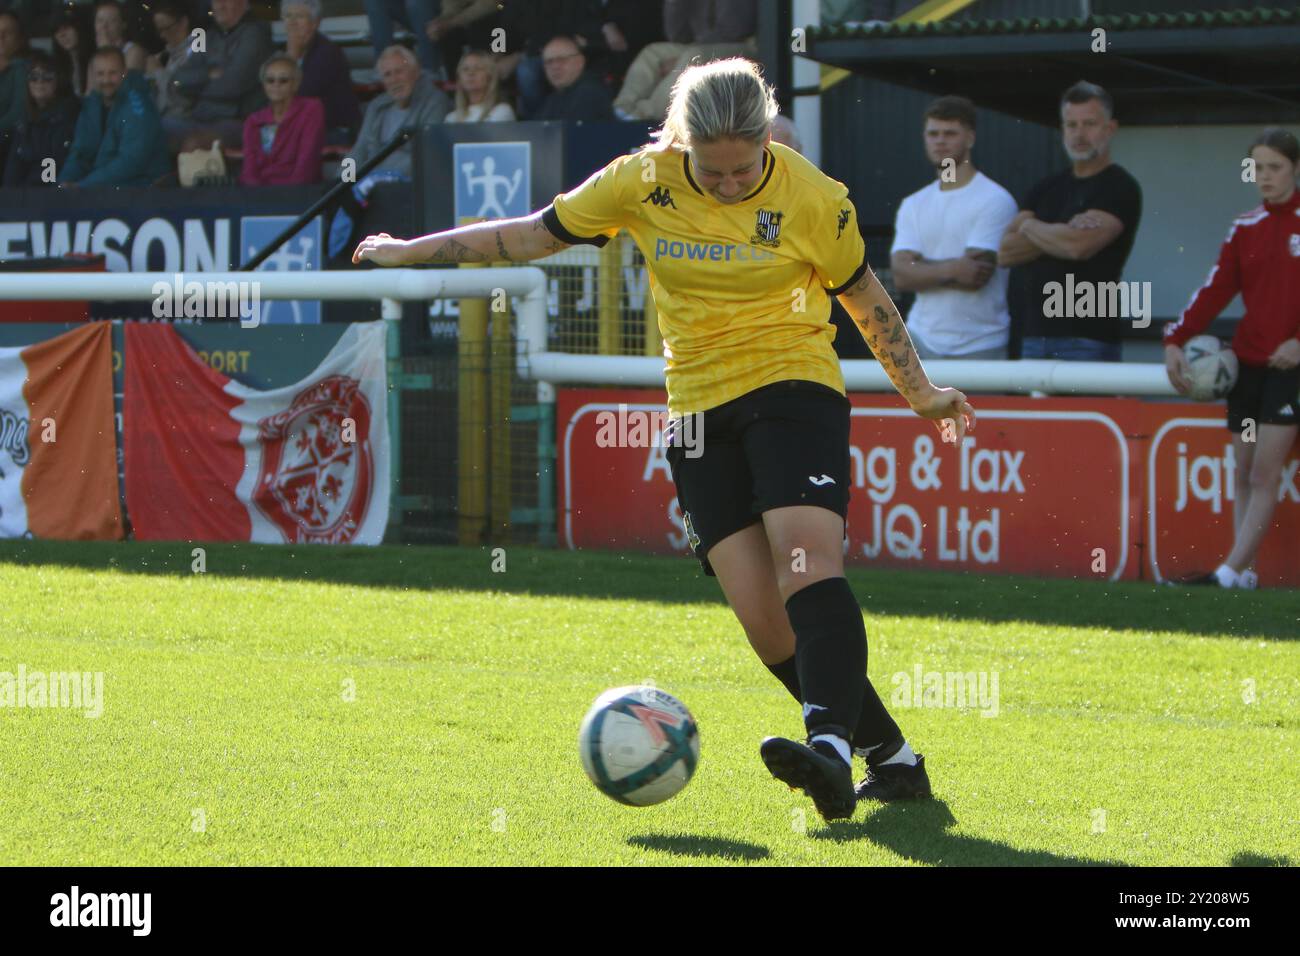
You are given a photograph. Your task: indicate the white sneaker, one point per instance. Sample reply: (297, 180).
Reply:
(1248, 579)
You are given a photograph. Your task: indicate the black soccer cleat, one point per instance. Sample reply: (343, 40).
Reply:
(817, 770)
(895, 781)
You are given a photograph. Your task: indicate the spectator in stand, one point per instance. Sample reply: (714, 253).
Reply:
(945, 249)
(110, 30)
(577, 96)
(409, 99)
(703, 29)
(1260, 259)
(119, 138)
(533, 23)
(46, 133)
(627, 27)
(172, 21)
(463, 24)
(325, 73)
(412, 14)
(13, 73)
(478, 94)
(223, 80)
(283, 140)
(1075, 229)
(72, 50)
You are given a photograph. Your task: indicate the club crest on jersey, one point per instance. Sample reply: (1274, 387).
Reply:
(1295, 244)
(660, 197)
(767, 228)
(313, 484)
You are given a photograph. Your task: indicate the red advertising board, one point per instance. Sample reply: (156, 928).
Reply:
(1060, 487)
(1191, 475)
(1041, 487)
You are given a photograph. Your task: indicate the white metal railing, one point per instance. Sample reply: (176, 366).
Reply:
(548, 369)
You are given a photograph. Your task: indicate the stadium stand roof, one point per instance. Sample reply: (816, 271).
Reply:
(1225, 66)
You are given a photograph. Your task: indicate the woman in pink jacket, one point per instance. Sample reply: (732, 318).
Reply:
(282, 141)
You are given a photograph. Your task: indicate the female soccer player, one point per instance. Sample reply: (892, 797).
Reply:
(745, 241)
(1261, 260)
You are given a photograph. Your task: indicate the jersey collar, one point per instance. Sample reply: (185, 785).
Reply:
(769, 167)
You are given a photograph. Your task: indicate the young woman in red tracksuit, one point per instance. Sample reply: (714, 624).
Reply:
(1261, 260)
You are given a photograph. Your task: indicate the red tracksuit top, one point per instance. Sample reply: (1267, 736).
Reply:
(1261, 260)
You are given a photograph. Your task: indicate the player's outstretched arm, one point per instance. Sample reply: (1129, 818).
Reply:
(501, 240)
(876, 317)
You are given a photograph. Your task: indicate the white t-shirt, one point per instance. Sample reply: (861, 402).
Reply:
(501, 113)
(942, 224)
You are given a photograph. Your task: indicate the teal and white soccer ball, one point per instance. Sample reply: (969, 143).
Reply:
(1213, 368)
(639, 745)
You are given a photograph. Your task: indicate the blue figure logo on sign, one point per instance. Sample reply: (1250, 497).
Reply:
(302, 253)
(492, 180)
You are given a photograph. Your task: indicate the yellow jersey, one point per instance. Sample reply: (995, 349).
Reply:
(742, 289)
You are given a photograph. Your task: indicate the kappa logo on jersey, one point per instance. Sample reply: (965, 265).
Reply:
(654, 721)
(1295, 244)
(823, 480)
(841, 222)
(767, 228)
(660, 197)
(314, 486)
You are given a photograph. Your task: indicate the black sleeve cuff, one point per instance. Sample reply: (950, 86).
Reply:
(552, 222)
(858, 273)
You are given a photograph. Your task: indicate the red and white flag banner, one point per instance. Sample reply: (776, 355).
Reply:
(211, 459)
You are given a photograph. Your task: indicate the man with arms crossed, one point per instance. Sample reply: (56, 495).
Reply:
(945, 245)
(1076, 228)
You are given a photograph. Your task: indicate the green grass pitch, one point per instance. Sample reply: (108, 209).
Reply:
(410, 706)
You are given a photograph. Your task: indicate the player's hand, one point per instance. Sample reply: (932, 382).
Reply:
(1286, 355)
(382, 250)
(949, 411)
(1084, 221)
(1180, 374)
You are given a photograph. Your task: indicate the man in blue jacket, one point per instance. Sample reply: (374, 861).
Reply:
(119, 138)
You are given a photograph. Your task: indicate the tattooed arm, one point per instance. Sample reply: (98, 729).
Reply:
(502, 240)
(872, 311)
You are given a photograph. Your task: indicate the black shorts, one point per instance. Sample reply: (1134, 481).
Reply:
(783, 444)
(1269, 396)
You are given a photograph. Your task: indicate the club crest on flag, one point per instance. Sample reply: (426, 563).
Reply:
(314, 485)
(767, 228)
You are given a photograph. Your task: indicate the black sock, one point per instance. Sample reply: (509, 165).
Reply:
(830, 655)
(876, 732)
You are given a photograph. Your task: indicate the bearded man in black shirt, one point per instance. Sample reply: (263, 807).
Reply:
(1071, 239)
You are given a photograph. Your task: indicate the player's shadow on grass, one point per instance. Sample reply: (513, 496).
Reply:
(918, 831)
(687, 845)
(1246, 858)
(1124, 606)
